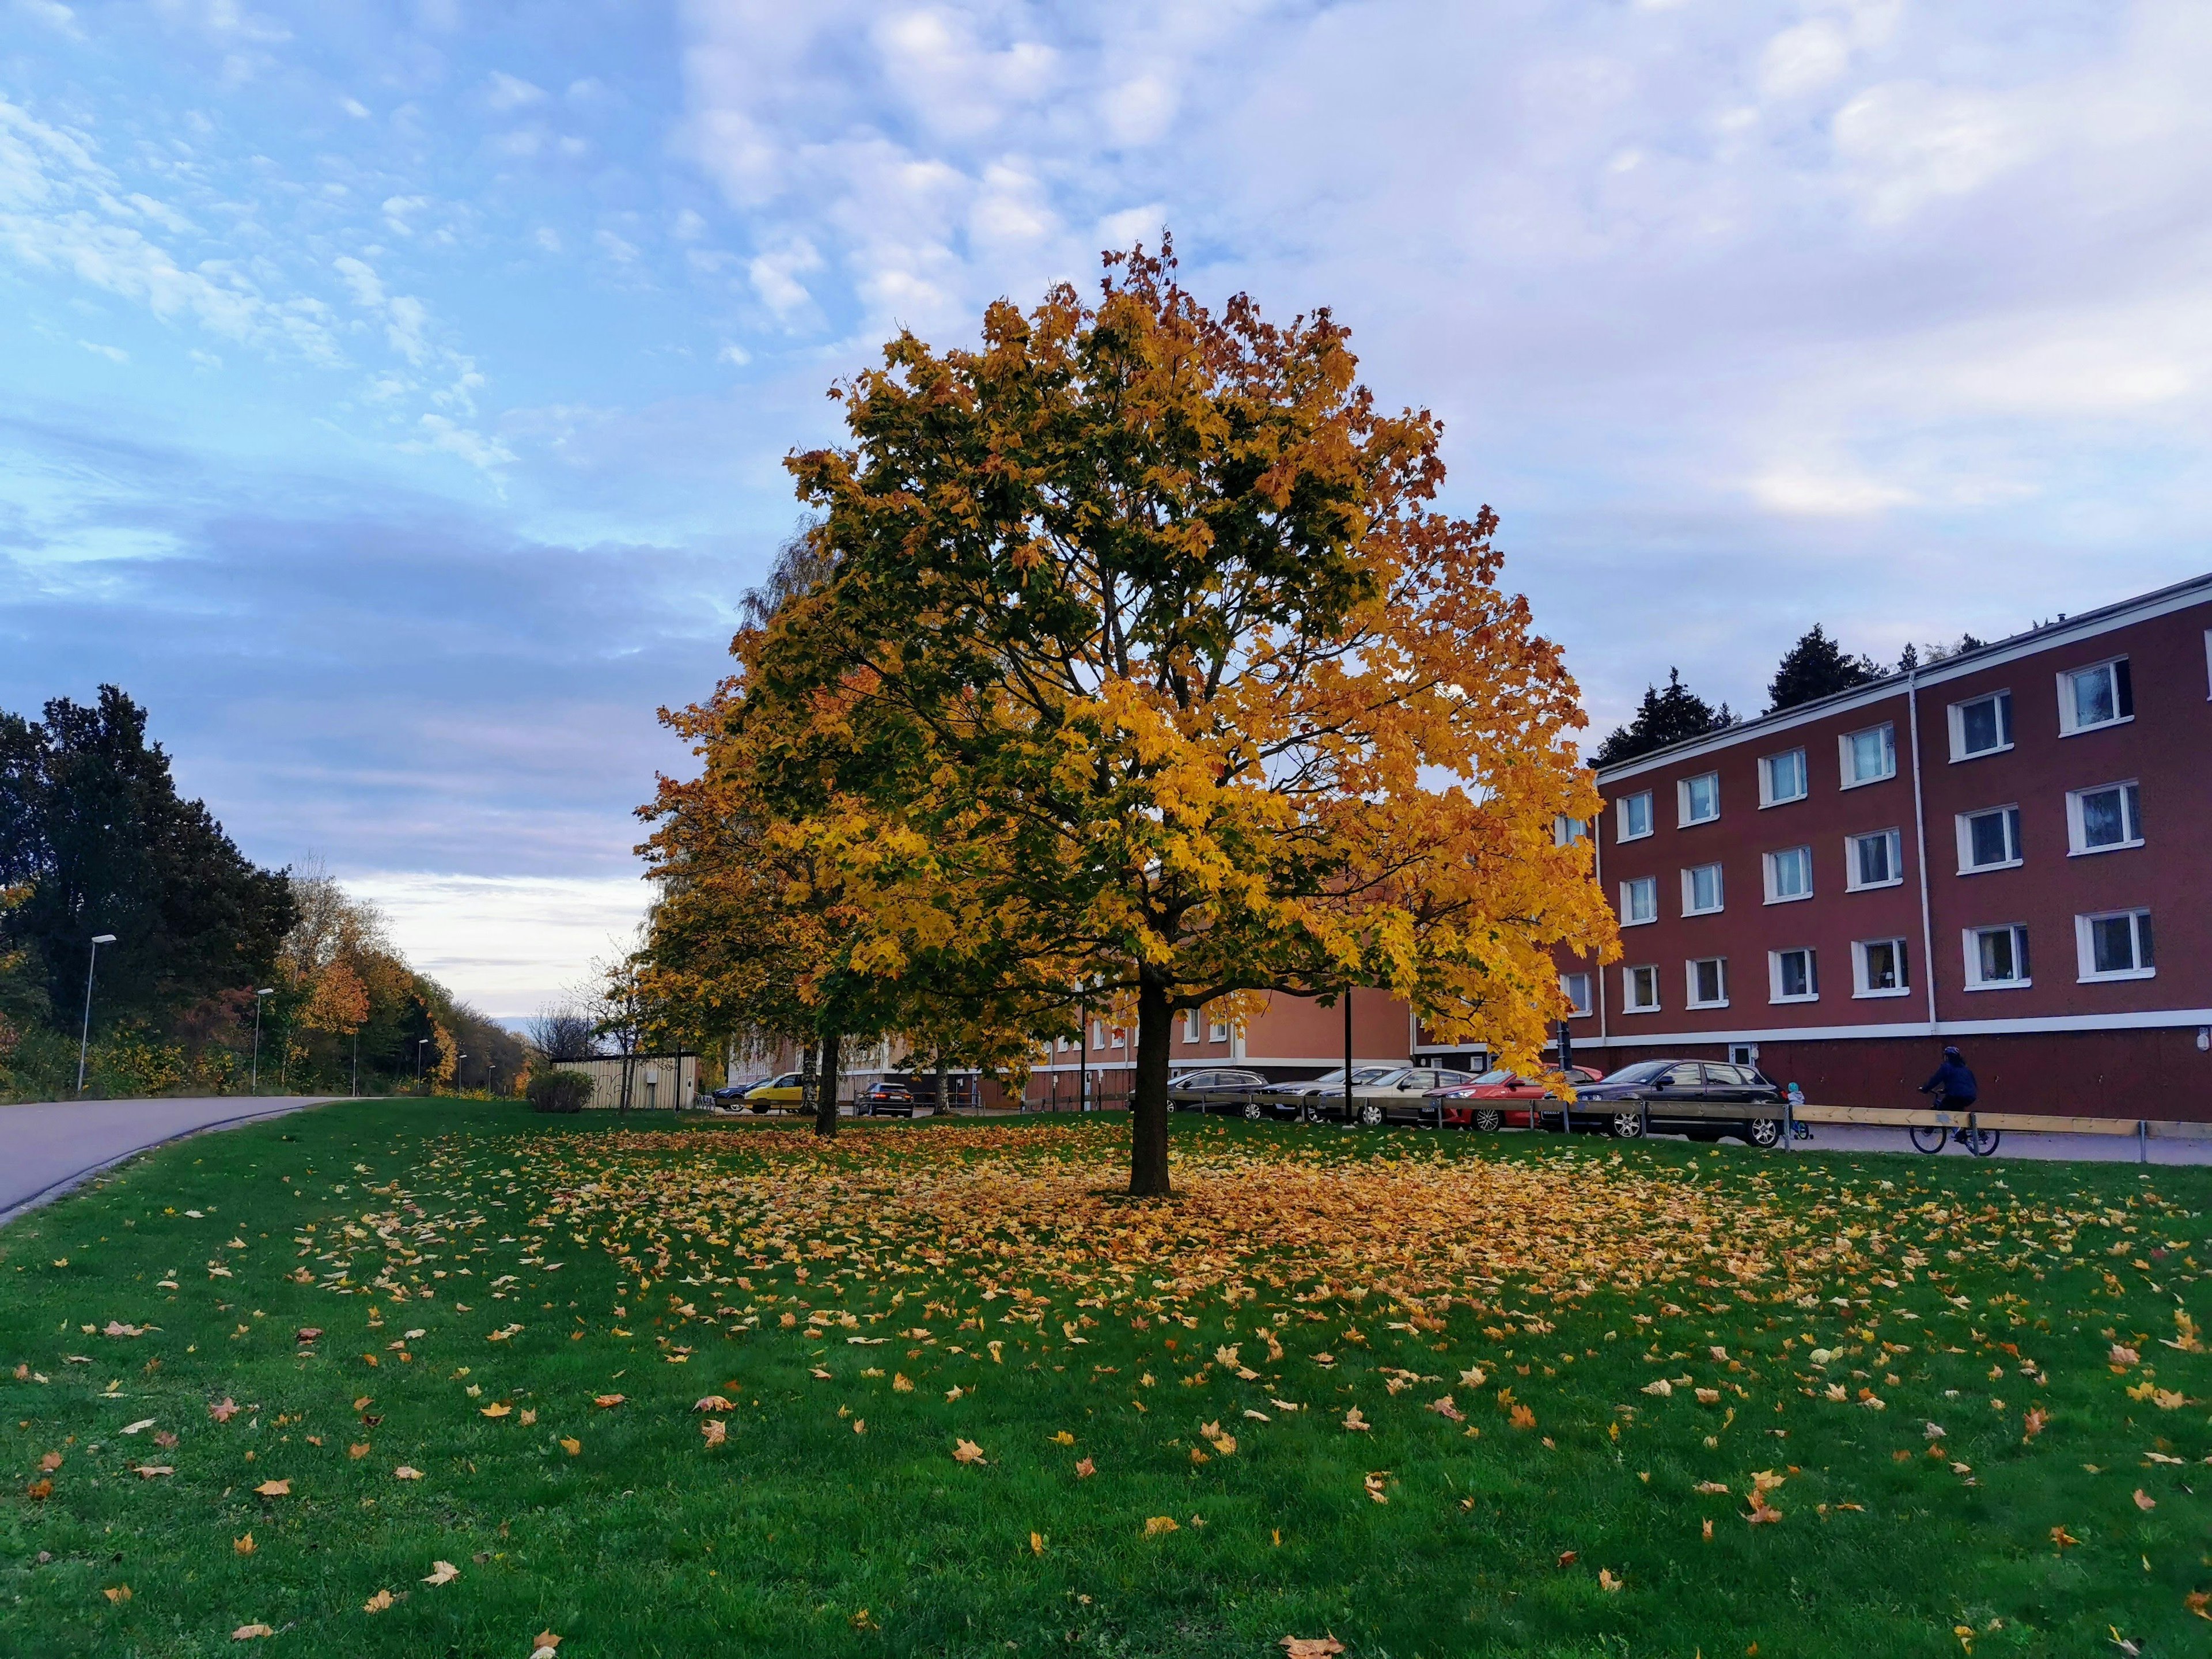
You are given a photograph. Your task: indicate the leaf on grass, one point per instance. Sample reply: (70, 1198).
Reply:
(571, 1447)
(243, 1545)
(1449, 1412)
(529, 1417)
(118, 1594)
(442, 1573)
(2063, 1537)
(248, 1633)
(403, 1472)
(606, 1402)
(2144, 1500)
(223, 1410)
(1311, 1647)
(498, 1409)
(1158, 1524)
(901, 1383)
(142, 1423)
(1086, 1469)
(148, 1471)
(1523, 1417)
(542, 1644)
(820, 1375)
(1353, 1420)
(309, 1333)
(1709, 1397)
(1473, 1376)
(1375, 1484)
(378, 1602)
(1063, 1438)
(1661, 1387)
(49, 1462)
(364, 1402)
(275, 1488)
(967, 1451)
(358, 1450)
(713, 1402)
(714, 1432)
(2032, 1424)
(1607, 1582)
(1036, 1543)
(1710, 1485)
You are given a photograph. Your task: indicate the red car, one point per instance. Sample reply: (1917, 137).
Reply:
(1498, 1099)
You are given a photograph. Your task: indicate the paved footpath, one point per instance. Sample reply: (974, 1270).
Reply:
(48, 1147)
(2014, 1143)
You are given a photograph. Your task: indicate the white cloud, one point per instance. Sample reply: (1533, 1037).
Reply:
(734, 354)
(1812, 55)
(506, 92)
(113, 354)
(486, 454)
(367, 290)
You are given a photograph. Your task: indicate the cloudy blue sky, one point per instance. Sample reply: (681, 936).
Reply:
(393, 395)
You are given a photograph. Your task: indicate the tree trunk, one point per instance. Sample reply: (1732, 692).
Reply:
(1148, 1101)
(943, 1089)
(825, 1104)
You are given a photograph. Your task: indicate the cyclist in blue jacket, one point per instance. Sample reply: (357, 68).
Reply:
(1952, 1085)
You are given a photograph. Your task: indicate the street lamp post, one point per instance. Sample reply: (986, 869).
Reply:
(84, 1039)
(258, 997)
(420, 1044)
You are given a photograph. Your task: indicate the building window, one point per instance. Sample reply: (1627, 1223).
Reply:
(1878, 968)
(2100, 695)
(1698, 799)
(1190, 1026)
(1996, 957)
(1792, 976)
(1639, 900)
(1782, 778)
(1708, 977)
(1217, 1030)
(1981, 726)
(1639, 990)
(1566, 832)
(1789, 875)
(2115, 946)
(1870, 756)
(1874, 860)
(1576, 989)
(1098, 1034)
(1634, 812)
(1989, 841)
(1121, 1037)
(1701, 889)
(2105, 819)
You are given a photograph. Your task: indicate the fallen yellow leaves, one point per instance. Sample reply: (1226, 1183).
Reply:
(1375, 1484)
(223, 1410)
(607, 1403)
(243, 1545)
(442, 1573)
(1353, 1421)
(1608, 1582)
(378, 1602)
(714, 1432)
(1225, 1445)
(2144, 1500)
(1522, 1417)
(901, 1383)
(499, 1408)
(1160, 1523)
(967, 1451)
(275, 1488)
(249, 1632)
(1063, 1438)
(1085, 1469)
(1311, 1647)
(571, 1447)
(2062, 1539)
(403, 1472)
(150, 1471)
(1036, 1543)
(118, 1594)
(358, 1450)
(544, 1645)
(713, 1402)
(1449, 1412)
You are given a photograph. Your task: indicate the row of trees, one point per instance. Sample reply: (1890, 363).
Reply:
(95, 839)
(1125, 666)
(1816, 666)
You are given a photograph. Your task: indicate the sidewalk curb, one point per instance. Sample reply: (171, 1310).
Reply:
(68, 1183)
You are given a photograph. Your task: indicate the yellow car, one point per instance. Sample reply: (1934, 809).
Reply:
(782, 1091)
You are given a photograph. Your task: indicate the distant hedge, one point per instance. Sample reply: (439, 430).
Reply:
(559, 1091)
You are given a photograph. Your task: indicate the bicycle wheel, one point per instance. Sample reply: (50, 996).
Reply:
(1928, 1138)
(1981, 1142)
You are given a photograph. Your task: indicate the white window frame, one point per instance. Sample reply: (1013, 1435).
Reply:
(1682, 800)
(1190, 1026)
(1970, 938)
(2069, 726)
(1689, 889)
(1720, 975)
(1774, 991)
(1629, 977)
(1652, 884)
(1576, 988)
(1217, 1030)
(1861, 985)
(2085, 950)
(1623, 829)
(2014, 831)
(1844, 751)
(1958, 722)
(1120, 1036)
(1767, 797)
(1566, 830)
(1771, 863)
(2077, 837)
(1851, 882)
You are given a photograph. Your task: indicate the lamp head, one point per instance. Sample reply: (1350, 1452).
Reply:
(103, 938)
(270, 992)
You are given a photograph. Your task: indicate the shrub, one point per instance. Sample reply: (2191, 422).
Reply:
(560, 1092)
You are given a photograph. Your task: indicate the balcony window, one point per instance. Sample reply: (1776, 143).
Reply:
(2098, 696)
(1996, 957)
(1870, 756)
(1989, 841)
(1782, 778)
(1789, 875)
(2105, 819)
(1701, 889)
(1878, 969)
(1981, 726)
(1874, 860)
(2115, 946)
(1708, 977)
(1793, 977)
(1634, 814)
(1698, 799)
(1639, 900)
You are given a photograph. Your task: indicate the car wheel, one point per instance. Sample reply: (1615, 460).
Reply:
(1490, 1122)
(1370, 1114)
(1626, 1126)
(759, 1107)
(1252, 1110)
(1764, 1133)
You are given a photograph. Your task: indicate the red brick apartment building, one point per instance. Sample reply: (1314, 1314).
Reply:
(2010, 849)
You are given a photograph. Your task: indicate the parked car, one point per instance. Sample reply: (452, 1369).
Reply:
(734, 1094)
(1702, 1099)
(782, 1091)
(889, 1096)
(1220, 1090)
(1487, 1102)
(1380, 1094)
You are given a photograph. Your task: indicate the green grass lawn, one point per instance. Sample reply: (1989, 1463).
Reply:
(1648, 1400)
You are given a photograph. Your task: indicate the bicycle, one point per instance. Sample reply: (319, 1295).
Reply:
(1931, 1137)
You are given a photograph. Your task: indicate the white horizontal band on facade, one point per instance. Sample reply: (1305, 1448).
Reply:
(2151, 1019)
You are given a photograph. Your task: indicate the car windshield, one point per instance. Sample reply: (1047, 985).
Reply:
(1365, 1074)
(1642, 1071)
(1500, 1076)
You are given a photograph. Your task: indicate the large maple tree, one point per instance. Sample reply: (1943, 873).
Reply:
(1145, 673)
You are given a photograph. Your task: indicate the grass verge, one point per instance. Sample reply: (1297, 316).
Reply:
(935, 1390)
